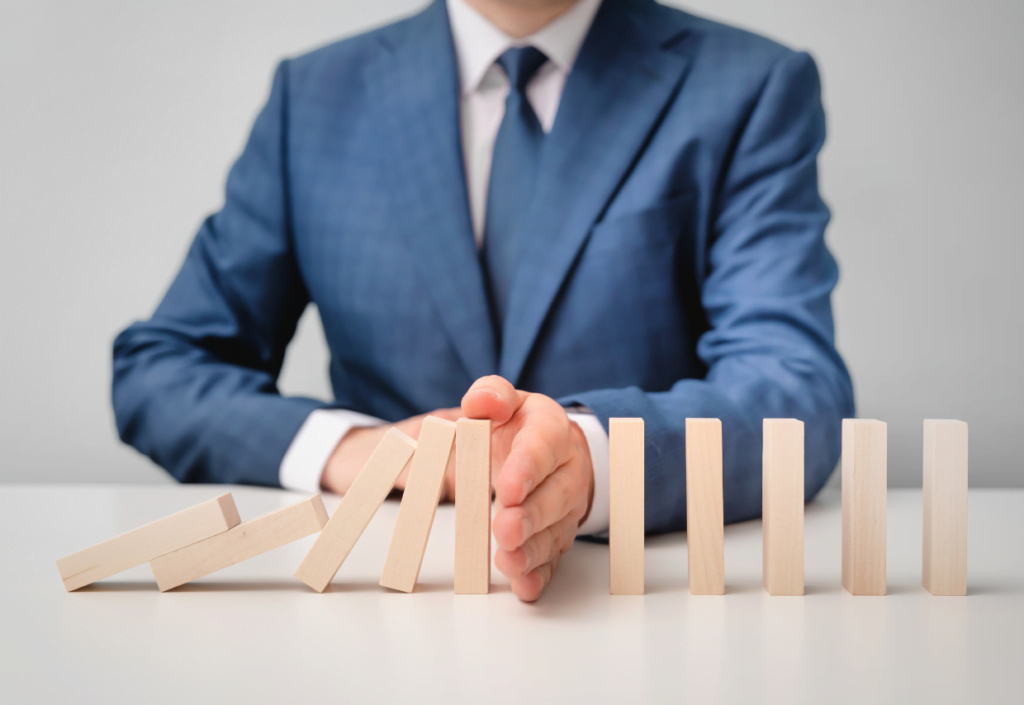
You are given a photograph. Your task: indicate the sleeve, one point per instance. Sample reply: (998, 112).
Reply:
(195, 387)
(766, 289)
(597, 443)
(307, 455)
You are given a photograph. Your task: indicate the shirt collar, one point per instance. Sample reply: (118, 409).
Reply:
(478, 43)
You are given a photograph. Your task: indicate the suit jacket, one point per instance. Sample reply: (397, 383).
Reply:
(674, 264)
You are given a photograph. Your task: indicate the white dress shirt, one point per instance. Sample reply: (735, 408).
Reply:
(478, 44)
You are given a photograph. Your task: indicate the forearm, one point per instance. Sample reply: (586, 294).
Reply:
(741, 403)
(201, 419)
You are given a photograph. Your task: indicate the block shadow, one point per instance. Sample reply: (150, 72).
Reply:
(120, 586)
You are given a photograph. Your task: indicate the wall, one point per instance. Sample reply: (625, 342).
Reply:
(119, 120)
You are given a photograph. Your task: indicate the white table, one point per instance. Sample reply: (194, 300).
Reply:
(253, 633)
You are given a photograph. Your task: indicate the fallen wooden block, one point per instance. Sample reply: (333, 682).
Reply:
(705, 510)
(360, 503)
(472, 507)
(626, 507)
(864, 504)
(241, 543)
(148, 542)
(419, 504)
(945, 507)
(782, 506)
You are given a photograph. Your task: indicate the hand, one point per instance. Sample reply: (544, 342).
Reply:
(357, 445)
(544, 482)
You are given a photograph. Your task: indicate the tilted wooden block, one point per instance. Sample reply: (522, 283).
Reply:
(241, 543)
(360, 503)
(148, 542)
(472, 507)
(864, 502)
(419, 504)
(705, 510)
(626, 517)
(945, 507)
(782, 506)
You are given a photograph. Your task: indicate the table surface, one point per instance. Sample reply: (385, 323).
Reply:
(253, 633)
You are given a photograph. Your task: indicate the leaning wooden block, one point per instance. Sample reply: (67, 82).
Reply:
(239, 544)
(864, 487)
(782, 506)
(945, 507)
(705, 510)
(419, 504)
(148, 542)
(626, 506)
(472, 507)
(360, 503)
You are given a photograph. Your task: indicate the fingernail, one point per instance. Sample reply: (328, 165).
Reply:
(527, 527)
(529, 559)
(494, 394)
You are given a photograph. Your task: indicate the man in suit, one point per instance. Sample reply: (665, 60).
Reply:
(575, 209)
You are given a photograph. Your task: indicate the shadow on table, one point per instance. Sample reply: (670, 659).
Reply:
(243, 586)
(120, 586)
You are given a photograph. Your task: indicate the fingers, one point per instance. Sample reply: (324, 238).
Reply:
(529, 587)
(557, 498)
(539, 549)
(492, 398)
(542, 443)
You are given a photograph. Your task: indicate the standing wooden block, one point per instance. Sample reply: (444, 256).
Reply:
(360, 503)
(472, 507)
(782, 506)
(626, 517)
(419, 504)
(945, 507)
(241, 543)
(864, 486)
(147, 542)
(705, 511)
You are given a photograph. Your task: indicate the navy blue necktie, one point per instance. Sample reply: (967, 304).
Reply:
(513, 173)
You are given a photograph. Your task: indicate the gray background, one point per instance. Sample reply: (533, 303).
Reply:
(119, 120)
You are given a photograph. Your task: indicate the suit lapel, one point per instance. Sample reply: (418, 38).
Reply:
(618, 89)
(418, 107)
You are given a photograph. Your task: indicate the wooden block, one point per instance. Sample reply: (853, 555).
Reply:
(472, 507)
(241, 543)
(419, 504)
(148, 542)
(945, 507)
(705, 511)
(360, 503)
(626, 506)
(782, 506)
(864, 487)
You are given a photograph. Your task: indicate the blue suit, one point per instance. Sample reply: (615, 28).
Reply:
(673, 265)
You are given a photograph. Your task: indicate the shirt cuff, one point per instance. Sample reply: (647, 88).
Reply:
(597, 441)
(303, 463)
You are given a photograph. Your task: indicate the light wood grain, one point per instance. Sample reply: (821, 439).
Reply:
(360, 503)
(419, 504)
(864, 506)
(472, 507)
(148, 542)
(782, 508)
(705, 511)
(626, 506)
(245, 541)
(945, 507)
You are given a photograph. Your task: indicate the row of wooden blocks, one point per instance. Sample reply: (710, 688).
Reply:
(210, 536)
(864, 470)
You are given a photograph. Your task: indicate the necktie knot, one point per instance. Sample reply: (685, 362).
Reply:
(520, 64)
